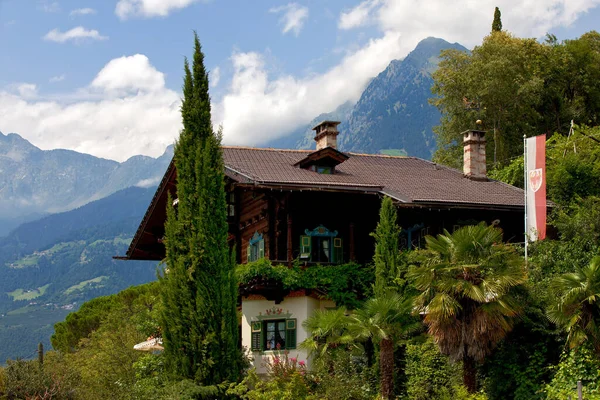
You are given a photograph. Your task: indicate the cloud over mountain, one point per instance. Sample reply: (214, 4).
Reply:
(127, 108)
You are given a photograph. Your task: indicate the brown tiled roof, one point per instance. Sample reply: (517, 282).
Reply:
(407, 179)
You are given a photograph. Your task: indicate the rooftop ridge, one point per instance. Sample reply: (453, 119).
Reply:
(312, 151)
(267, 149)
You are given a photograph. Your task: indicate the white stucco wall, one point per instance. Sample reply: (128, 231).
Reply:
(297, 307)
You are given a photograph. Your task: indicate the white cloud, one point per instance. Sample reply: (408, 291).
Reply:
(144, 118)
(293, 18)
(465, 22)
(76, 34)
(357, 16)
(146, 183)
(149, 8)
(82, 11)
(58, 78)
(49, 6)
(26, 90)
(129, 75)
(215, 77)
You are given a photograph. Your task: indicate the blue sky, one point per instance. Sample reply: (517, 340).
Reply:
(104, 76)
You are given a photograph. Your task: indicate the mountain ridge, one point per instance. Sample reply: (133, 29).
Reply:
(393, 115)
(35, 181)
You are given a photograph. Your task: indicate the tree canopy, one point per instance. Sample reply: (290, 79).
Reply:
(516, 87)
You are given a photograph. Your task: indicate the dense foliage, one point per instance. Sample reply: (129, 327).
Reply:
(346, 284)
(516, 87)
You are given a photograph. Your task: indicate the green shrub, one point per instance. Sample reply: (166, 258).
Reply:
(286, 380)
(577, 364)
(430, 376)
(28, 380)
(344, 376)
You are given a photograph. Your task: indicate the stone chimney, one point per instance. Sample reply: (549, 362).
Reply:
(326, 134)
(474, 155)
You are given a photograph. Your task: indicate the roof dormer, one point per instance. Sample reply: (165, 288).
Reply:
(327, 157)
(322, 161)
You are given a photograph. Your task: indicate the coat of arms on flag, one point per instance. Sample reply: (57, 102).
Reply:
(535, 179)
(535, 164)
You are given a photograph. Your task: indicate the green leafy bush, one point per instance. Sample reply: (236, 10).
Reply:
(346, 284)
(286, 380)
(28, 380)
(430, 375)
(577, 364)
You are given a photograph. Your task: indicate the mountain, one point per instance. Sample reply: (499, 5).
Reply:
(393, 114)
(303, 137)
(52, 265)
(34, 181)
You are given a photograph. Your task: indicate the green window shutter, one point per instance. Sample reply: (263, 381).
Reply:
(249, 254)
(338, 250)
(256, 340)
(261, 248)
(305, 250)
(290, 334)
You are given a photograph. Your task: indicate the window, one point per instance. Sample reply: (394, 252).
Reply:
(274, 334)
(321, 245)
(321, 169)
(231, 204)
(256, 247)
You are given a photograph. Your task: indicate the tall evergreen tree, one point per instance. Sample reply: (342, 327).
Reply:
(497, 24)
(198, 288)
(387, 255)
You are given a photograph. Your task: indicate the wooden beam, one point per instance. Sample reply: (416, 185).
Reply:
(289, 238)
(351, 240)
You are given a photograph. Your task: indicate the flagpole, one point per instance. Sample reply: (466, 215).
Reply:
(525, 191)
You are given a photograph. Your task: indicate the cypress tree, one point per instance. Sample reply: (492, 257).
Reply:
(387, 254)
(198, 287)
(497, 24)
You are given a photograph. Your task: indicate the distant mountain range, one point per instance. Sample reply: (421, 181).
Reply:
(35, 182)
(393, 115)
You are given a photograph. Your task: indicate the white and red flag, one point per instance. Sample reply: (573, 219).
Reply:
(535, 173)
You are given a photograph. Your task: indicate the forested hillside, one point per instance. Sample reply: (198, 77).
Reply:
(51, 266)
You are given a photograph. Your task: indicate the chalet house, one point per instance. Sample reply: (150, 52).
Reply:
(320, 207)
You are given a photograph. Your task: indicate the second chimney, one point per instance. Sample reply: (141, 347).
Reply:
(326, 134)
(474, 166)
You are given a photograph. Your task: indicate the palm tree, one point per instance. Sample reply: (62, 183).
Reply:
(577, 309)
(328, 330)
(384, 319)
(466, 280)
